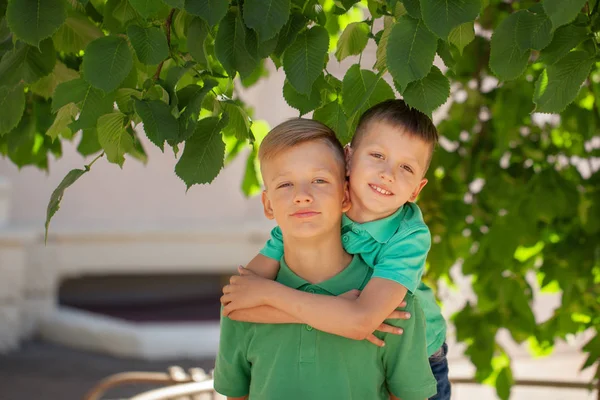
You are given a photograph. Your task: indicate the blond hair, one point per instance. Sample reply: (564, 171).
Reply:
(297, 131)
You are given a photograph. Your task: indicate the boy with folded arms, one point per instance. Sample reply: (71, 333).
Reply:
(303, 169)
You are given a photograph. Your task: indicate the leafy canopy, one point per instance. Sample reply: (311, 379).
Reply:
(512, 195)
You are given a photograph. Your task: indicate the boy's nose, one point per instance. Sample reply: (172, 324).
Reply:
(302, 196)
(387, 176)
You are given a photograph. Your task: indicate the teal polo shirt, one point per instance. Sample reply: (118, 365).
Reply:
(396, 248)
(295, 361)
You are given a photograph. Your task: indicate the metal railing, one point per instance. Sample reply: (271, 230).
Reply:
(196, 382)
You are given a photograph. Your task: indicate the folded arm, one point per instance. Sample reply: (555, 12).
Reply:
(354, 319)
(263, 315)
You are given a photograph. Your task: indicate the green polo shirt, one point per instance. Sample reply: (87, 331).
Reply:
(295, 361)
(396, 248)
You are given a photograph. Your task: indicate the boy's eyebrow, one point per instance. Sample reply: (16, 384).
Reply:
(314, 171)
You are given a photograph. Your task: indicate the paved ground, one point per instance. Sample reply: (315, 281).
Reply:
(46, 371)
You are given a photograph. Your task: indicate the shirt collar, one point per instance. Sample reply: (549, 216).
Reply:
(383, 229)
(351, 277)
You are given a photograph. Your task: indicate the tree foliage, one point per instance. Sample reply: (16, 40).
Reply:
(513, 197)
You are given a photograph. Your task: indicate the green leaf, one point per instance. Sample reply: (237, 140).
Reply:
(204, 152)
(89, 142)
(72, 91)
(107, 62)
(12, 104)
(507, 60)
(362, 89)
(266, 17)
(197, 34)
(57, 194)
(150, 44)
(564, 40)
(238, 124)
(60, 126)
(175, 3)
(35, 20)
(124, 99)
(559, 84)
(147, 8)
(353, 40)
(534, 31)
(410, 50)
(445, 53)
(75, 33)
(91, 101)
(304, 60)
(462, 35)
(504, 382)
(230, 46)
(562, 12)
(114, 138)
(26, 63)
(46, 86)
(301, 102)
(413, 8)
(122, 12)
(192, 97)
(441, 16)
(428, 93)
(212, 11)
(159, 123)
(333, 116)
(381, 53)
(289, 32)
(251, 185)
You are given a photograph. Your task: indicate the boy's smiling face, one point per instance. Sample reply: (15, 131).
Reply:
(306, 192)
(386, 170)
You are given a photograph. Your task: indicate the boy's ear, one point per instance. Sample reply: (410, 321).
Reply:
(416, 192)
(268, 210)
(348, 151)
(346, 203)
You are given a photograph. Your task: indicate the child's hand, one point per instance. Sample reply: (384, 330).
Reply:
(246, 290)
(396, 314)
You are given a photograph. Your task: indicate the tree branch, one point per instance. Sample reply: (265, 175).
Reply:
(168, 28)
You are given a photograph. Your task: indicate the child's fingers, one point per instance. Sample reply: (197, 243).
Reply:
(399, 315)
(390, 329)
(226, 299)
(402, 305)
(375, 340)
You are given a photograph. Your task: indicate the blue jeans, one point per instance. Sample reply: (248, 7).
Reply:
(439, 367)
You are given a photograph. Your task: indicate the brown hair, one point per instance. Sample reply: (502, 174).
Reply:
(396, 113)
(297, 131)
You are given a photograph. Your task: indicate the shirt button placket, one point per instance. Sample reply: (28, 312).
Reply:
(308, 340)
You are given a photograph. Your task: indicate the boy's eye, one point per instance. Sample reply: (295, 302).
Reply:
(377, 155)
(407, 168)
(284, 185)
(318, 180)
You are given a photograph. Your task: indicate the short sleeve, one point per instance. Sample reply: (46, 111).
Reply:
(232, 369)
(274, 246)
(402, 259)
(407, 369)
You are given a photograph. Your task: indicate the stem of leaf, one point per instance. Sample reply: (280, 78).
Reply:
(87, 167)
(168, 29)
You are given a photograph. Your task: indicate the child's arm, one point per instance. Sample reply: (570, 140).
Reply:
(264, 266)
(263, 315)
(398, 270)
(354, 319)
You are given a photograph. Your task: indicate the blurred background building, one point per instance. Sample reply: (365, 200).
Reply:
(131, 275)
